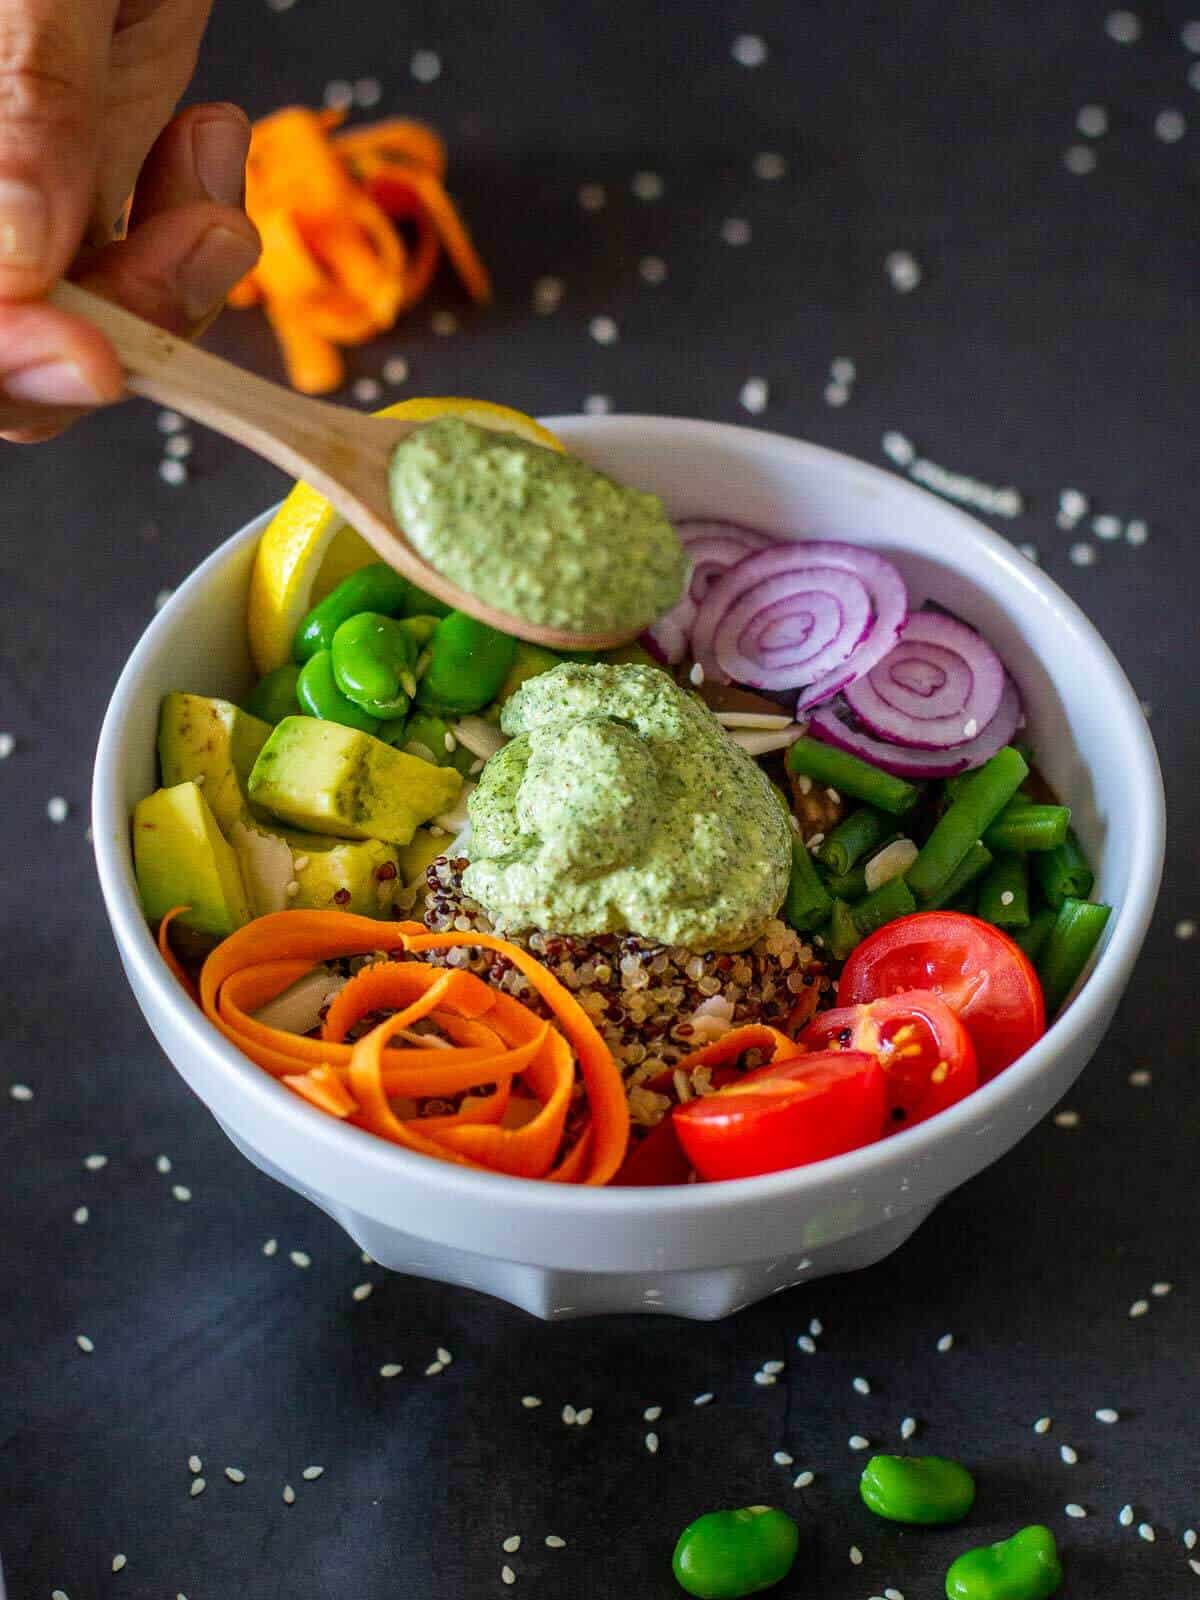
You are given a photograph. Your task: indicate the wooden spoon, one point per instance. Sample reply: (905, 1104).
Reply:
(344, 454)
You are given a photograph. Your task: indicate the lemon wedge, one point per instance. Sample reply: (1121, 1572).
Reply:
(308, 548)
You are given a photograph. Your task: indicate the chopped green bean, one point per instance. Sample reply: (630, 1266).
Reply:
(863, 830)
(808, 903)
(841, 931)
(977, 859)
(1004, 893)
(1063, 873)
(1032, 939)
(980, 800)
(891, 900)
(1028, 828)
(1076, 931)
(837, 769)
(850, 885)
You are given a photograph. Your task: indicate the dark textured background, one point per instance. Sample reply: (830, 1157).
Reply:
(1052, 342)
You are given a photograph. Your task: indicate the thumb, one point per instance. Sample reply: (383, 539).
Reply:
(53, 61)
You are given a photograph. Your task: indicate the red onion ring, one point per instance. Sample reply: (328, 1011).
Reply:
(940, 687)
(828, 608)
(889, 603)
(828, 724)
(713, 547)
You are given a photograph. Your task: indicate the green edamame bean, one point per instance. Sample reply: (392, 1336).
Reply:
(319, 696)
(421, 627)
(1025, 1567)
(274, 697)
(468, 663)
(724, 1555)
(431, 739)
(927, 1490)
(419, 604)
(371, 588)
(374, 664)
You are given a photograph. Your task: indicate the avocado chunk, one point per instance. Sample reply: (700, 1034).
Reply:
(529, 661)
(181, 859)
(419, 855)
(213, 743)
(360, 875)
(333, 779)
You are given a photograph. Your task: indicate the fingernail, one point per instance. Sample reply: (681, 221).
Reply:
(205, 277)
(24, 224)
(219, 146)
(53, 383)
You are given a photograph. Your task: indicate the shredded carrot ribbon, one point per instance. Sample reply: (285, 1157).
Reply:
(515, 1071)
(754, 1036)
(168, 954)
(335, 270)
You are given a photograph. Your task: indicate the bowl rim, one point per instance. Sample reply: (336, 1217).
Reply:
(380, 1159)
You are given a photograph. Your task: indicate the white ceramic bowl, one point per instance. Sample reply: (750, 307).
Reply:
(705, 1250)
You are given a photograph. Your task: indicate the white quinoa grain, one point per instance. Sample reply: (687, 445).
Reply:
(1125, 1516)
(908, 1427)
(1139, 1308)
(84, 1343)
(162, 1164)
(1007, 898)
(807, 1344)
(1189, 1538)
(705, 1399)
(1074, 1509)
(390, 1369)
(300, 1258)
(1136, 531)
(1106, 527)
(1107, 1414)
(1193, 1564)
(1158, 1290)
(366, 390)
(1043, 1425)
(1141, 1079)
(765, 1380)
(861, 1386)
(856, 1556)
(181, 1192)
(568, 1415)
(836, 394)
(270, 1247)
(582, 1418)
(1079, 159)
(903, 270)
(554, 1542)
(235, 1474)
(1146, 1532)
(892, 1594)
(782, 1459)
(198, 1486)
(194, 1464)
(170, 422)
(289, 1495)
(597, 405)
(816, 1327)
(652, 1413)
(118, 1563)
(426, 66)
(511, 1545)
(857, 1442)
(775, 1367)
(1069, 1455)
(749, 50)
(368, 92)
(311, 1474)
(362, 1291)
(946, 1342)
(530, 1402)
(898, 449)
(507, 1575)
(696, 675)
(802, 1479)
(58, 1594)
(339, 94)
(178, 447)
(652, 1443)
(434, 1368)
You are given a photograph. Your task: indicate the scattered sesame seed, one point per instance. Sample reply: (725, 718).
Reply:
(857, 1442)
(554, 1542)
(1185, 929)
(705, 1399)
(1189, 1538)
(300, 1258)
(1043, 1425)
(443, 1355)
(861, 1386)
(592, 196)
(161, 598)
(118, 1563)
(194, 1464)
(1137, 532)
(507, 1575)
(597, 405)
(802, 1479)
(970, 728)
(178, 447)
(198, 1486)
(836, 394)
(368, 92)
(1079, 159)
(1125, 1516)
(84, 1343)
(1170, 126)
(908, 1427)
(652, 269)
(652, 1443)
(748, 50)
(444, 324)
(426, 66)
(892, 1594)
(21, 1091)
(768, 166)
(311, 1474)
(1107, 1414)
(1124, 27)
(181, 1192)
(843, 370)
(946, 1342)
(808, 1345)
(696, 675)
(1160, 1289)
(582, 1418)
(765, 1380)
(58, 1594)
(1140, 1079)
(235, 1474)
(289, 1495)
(1092, 121)
(270, 1247)
(735, 231)
(390, 1369)
(568, 1415)
(1189, 36)
(170, 422)
(57, 808)
(339, 94)
(366, 390)
(856, 1556)
(1072, 503)
(1145, 1531)
(362, 1291)
(604, 330)
(903, 270)
(7, 745)
(1074, 1509)
(1106, 527)
(80, 1215)
(782, 1459)
(1195, 1566)
(1083, 555)
(173, 472)
(530, 1402)
(753, 395)
(434, 1368)
(647, 185)
(1139, 1308)
(898, 449)
(1065, 1119)
(511, 1545)
(774, 1366)
(652, 1413)
(1069, 1455)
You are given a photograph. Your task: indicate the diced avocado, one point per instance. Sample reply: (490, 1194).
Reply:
(213, 743)
(529, 661)
(419, 854)
(629, 655)
(360, 875)
(181, 859)
(332, 779)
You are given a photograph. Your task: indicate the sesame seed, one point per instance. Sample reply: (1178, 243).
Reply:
(773, 1366)
(1139, 1308)
(178, 447)
(434, 1368)
(181, 1192)
(507, 1575)
(1043, 1425)
(754, 395)
(368, 92)
(1185, 928)
(946, 1342)
(57, 808)
(856, 1556)
(647, 185)
(1160, 1289)
(652, 1443)
(366, 390)
(311, 1474)
(58, 1594)
(444, 324)
(1069, 1456)
(270, 1247)
(426, 66)
(172, 472)
(161, 598)
(892, 1594)
(390, 1369)
(861, 1386)
(194, 1464)
(802, 1479)
(530, 1402)
(1124, 27)
(908, 1427)
(338, 94)
(705, 1399)
(903, 270)
(736, 231)
(604, 330)
(898, 449)
(769, 167)
(592, 196)
(21, 1091)
(118, 1563)
(1170, 126)
(1079, 159)
(857, 1442)
(696, 675)
(1125, 1516)
(554, 1542)
(235, 1474)
(782, 1459)
(1140, 1079)
(362, 1291)
(1066, 1119)
(652, 1413)
(84, 1343)
(162, 1164)
(1007, 898)
(1106, 527)
(1195, 1566)
(765, 1380)
(597, 405)
(1074, 1509)
(511, 1545)
(582, 1418)
(80, 1215)
(1029, 551)
(1146, 1532)
(807, 1344)
(568, 1415)
(170, 422)
(970, 728)
(652, 269)
(292, 889)
(836, 394)
(289, 1495)
(7, 745)
(1189, 1538)
(1092, 121)
(842, 370)
(1107, 1414)
(1136, 532)
(1083, 555)
(300, 1258)
(198, 1486)
(748, 50)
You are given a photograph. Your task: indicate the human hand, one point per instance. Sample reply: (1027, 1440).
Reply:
(87, 92)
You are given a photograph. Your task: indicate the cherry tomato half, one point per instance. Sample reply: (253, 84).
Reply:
(926, 1054)
(977, 970)
(655, 1160)
(785, 1115)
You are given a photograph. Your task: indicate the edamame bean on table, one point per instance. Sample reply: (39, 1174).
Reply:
(926, 1490)
(724, 1555)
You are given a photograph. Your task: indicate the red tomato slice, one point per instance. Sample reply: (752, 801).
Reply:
(977, 970)
(655, 1160)
(785, 1115)
(925, 1052)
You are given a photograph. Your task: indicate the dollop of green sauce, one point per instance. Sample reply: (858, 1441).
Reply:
(538, 534)
(621, 805)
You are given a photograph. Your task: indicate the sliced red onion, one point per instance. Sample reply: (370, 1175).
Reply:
(940, 687)
(668, 639)
(792, 620)
(889, 603)
(713, 547)
(829, 724)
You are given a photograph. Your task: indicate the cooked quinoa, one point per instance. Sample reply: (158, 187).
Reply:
(652, 1003)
